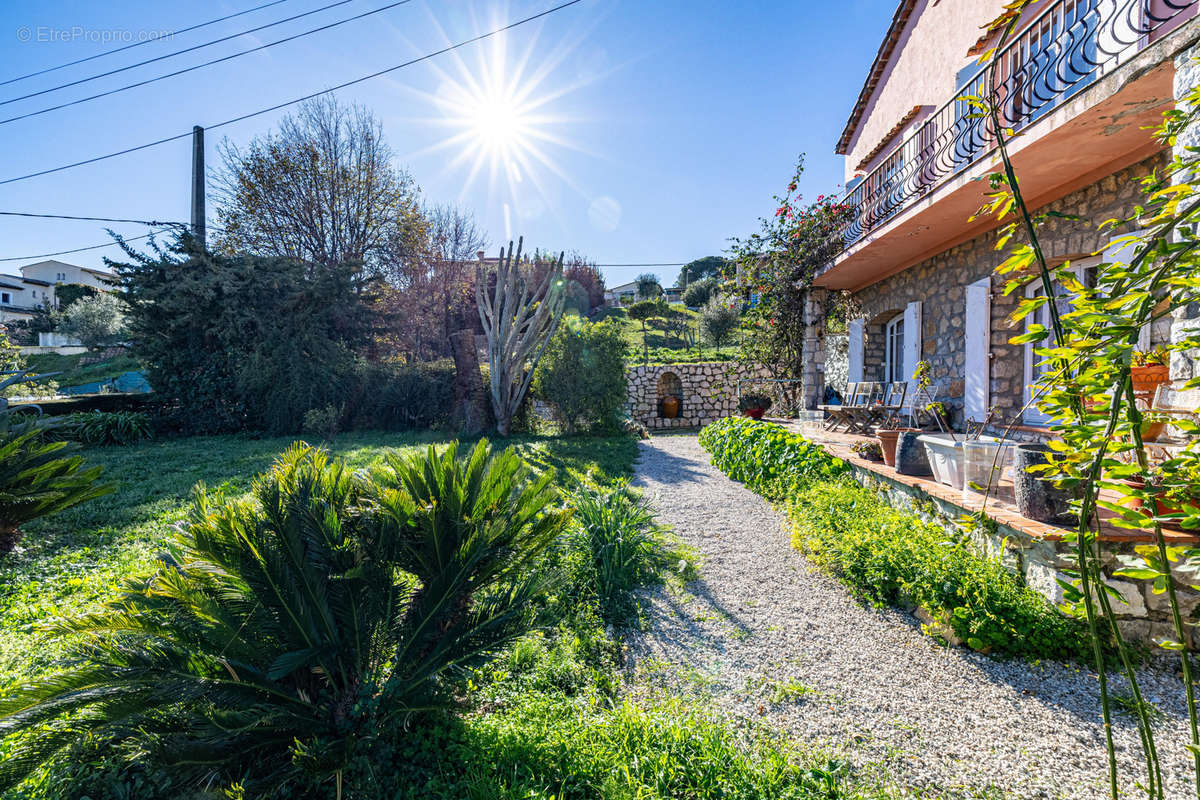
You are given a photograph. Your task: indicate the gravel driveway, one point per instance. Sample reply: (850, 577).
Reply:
(761, 634)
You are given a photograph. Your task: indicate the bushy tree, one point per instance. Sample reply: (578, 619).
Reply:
(584, 272)
(582, 375)
(718, 321)
(648, 286)
(576, 297)
(243, 341)
(323, 189)
(68, 293)
(644, 310)
(699, 293)
(707, 267)
(283, 633)
(96, 320)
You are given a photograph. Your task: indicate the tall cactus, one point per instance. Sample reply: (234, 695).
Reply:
(518, 320)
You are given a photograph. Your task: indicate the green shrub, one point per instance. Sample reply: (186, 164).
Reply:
(105, 427)
(718, 320)
(397, 397)
(699, 293)
(582, 375)
(891, 557)
(324, 422)
(621, 549)
(546, 747)
(287, 629)
(766, 457)
(39, 477)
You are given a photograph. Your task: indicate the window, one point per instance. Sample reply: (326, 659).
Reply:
(893, 349)
(5, 298)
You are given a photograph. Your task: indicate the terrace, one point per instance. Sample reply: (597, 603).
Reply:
(1078, 85)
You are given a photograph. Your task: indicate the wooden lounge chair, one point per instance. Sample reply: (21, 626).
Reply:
(888, 410)
(867, 400)
(838, 413)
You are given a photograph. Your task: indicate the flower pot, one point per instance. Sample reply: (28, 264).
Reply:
(1152, 430)
(911, 458)
(670, 407)
(887, 442)
(1037, 498)
(755, 413)
(945, 456)
(986, 461)
(1146, 379)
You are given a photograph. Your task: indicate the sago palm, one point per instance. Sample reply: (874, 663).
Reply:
(38, 477)
(290, 626)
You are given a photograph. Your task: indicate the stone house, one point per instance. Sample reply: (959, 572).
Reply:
(1083, 83)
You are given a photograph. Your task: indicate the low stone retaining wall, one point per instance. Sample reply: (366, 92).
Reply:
(1041, 560)
(706, 391)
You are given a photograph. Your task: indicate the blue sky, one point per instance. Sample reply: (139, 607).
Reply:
(649, 131)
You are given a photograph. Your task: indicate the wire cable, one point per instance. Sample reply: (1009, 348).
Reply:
(142, 42)
(151, 222)
(93, 247)
(194, 67)
(278, 106)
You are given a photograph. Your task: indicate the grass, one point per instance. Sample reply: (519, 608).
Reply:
(660, 348)
(74, 372)
(76, 560)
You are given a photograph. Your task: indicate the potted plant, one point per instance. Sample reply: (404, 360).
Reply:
(888, 436)
(867, 449)
(1150, 369)
(911, 455)
(754, 405)
(945, 449)
(1038, 498)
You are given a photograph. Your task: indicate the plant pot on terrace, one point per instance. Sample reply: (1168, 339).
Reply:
(945, 455)
(986, 460)
(754, 405)
(1037, 498)
(911, 458)
(887, 442)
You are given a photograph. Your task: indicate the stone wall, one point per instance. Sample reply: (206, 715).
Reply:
(1143, 616)
(707, 392)
(940, 283)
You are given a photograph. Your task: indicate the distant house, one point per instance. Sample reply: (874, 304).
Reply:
(627, 293)
(22, 295)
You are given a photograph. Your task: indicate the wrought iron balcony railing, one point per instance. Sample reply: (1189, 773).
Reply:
(1067, 47)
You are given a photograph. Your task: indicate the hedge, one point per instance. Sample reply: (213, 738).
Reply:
(766, 457)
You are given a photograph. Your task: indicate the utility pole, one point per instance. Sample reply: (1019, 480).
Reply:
(198, 226)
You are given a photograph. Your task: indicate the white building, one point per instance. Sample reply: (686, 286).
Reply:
(21, 295)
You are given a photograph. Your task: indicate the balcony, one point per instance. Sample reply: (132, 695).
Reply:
(1078, 85)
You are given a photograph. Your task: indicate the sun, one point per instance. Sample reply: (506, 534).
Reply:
(501, 110)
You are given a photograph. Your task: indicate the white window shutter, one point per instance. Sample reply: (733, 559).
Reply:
(855, 341)
(912, 341)
(978, 324)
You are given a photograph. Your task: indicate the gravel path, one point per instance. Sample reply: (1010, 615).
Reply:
(761, 634)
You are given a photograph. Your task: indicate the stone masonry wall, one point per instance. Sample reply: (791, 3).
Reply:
(940, 283)
(709, 392)
(1142, 615)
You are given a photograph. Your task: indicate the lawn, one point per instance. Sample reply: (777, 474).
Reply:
(659, 347)
(76, 560)
(75, 372)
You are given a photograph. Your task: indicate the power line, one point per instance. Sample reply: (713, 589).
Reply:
(680, 264)
(142, 42)
(152, 223)
(195, 67)
(82, 249)
(338, 87)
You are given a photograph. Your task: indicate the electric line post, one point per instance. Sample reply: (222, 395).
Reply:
(198, 225)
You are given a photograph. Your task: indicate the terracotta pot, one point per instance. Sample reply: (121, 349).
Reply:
(1133, 503)
(1161, 507)
(1147, 379)
(887, 442)
(670, 407)
(755, 413)
(1152, 430)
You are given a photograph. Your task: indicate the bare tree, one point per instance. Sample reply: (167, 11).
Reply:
(323, 189)
(519, 315)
